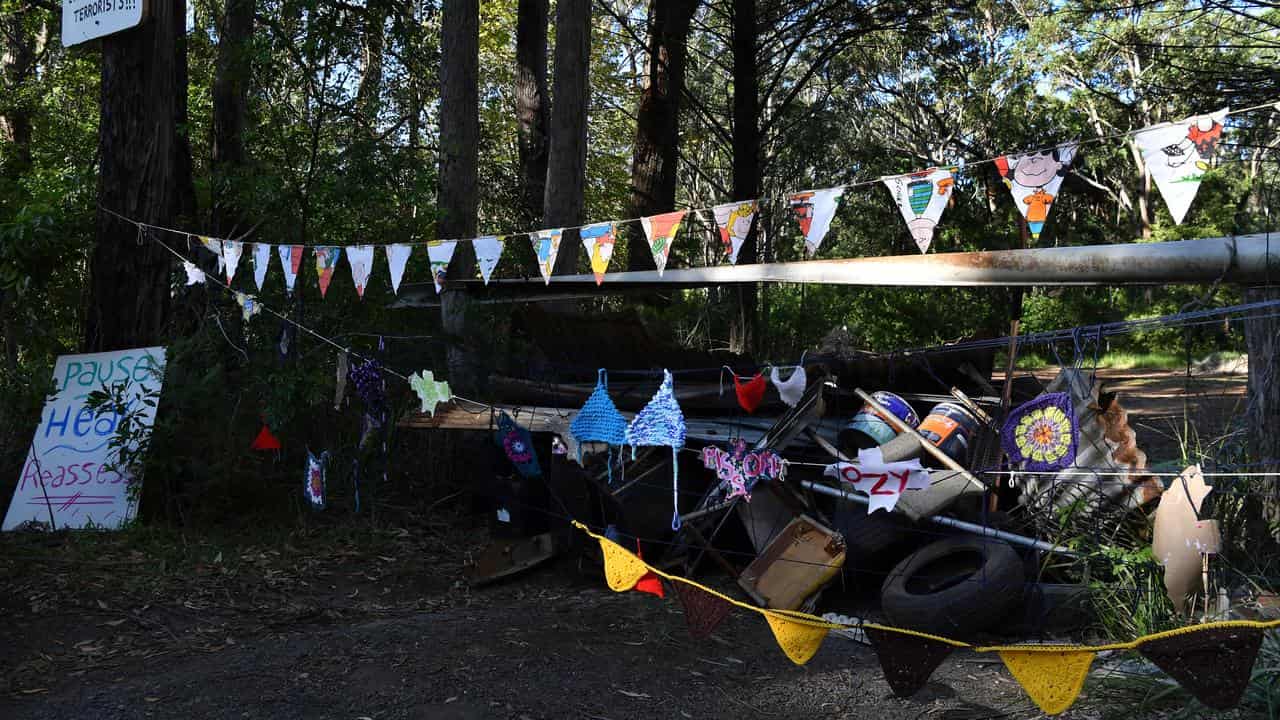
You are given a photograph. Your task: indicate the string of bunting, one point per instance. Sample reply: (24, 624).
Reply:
(1176, 154)
(1212, 661)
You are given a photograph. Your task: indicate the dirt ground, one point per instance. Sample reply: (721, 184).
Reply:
(364, 623)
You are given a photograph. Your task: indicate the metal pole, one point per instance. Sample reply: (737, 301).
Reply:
(951, 522)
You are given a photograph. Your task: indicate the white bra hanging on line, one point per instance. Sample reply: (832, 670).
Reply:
(791, 389)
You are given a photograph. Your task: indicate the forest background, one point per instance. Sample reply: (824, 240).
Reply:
(335, 122)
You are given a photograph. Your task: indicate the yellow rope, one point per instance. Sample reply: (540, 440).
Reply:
(815, 621)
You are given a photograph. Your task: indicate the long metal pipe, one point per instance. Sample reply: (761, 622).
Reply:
(950, 522)
(1246, 258)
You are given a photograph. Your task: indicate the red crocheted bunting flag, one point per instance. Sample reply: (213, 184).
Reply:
(1214, 665)
(908, 661)
(702, 611)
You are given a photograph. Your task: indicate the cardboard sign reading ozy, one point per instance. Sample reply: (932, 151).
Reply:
(72, 477)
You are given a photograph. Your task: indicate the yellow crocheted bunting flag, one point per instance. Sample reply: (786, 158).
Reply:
(622, 569)
(799, 639)
(1052, 678)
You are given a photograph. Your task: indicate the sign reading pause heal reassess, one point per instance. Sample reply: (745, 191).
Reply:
(84, 20)
(71, 476)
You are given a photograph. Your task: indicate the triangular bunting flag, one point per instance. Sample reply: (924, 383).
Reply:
(814, 210)
(231, 252)
(326, 260)
(1177, 156)
(798, 638)
(921, 197)
(440, 253)
(650, 584)
(546, 245)
(702, 611)
(598, 240)
(265, 440)
(488, 252)
(360, 258)
(735, 220)
(661, 231)
(249, 305)
(397, 258)
(261, 259)
(1033, 179)
(194, 273)
(907, 659)
(1051, 678)
(622, 570)
(214, 246)
(291, 263)
(1213, 664)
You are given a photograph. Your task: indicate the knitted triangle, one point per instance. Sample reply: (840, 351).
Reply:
(650, 583)
(703, 611)
(599, 419)
(907, 659)
(660, 422)
(799, 639)
(1042, 433)
(1214, 664)
(750, 393)
(1052, 678)
(622, 570)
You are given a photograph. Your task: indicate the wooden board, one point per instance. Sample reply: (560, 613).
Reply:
(796, 564)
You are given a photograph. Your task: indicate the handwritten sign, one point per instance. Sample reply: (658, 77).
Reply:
(740, 469)
(882, 482)
(84, 20)
(70, 478)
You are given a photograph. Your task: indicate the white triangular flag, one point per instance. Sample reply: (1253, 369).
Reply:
(231, 252)
(261, 259)
(598, 239)
(1033, 179)
(440, 253)
(921, 197)
(214, 246)
(1177, 155)
(488, 252)
(735, 220)
(546, 245)
(814, 210)
(194, 273)
(360, 258)
(290, 262)
(661, 231)
(397, 258)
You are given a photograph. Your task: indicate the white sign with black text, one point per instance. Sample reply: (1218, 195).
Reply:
(84, 20)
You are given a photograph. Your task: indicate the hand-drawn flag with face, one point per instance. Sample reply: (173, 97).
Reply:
(360, 258)
(397, 258)
(327, 258)
(1033, 179)
(231, 252)
(921, 197)
(488, 252)
(814, 210)
(291, 263)
(261, 259)
(598, 240)
(440, 253)
(546, 245)
(1177, 156)
(661, 231)
(734, 220)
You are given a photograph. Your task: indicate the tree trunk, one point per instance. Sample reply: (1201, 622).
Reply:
(16, 65)
(232, 72)
(567, 156)
(145, 175)
(1262, 336)
(746, 161)
(459, 156)
(532, 106)
(653, 169)
(370, 91)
